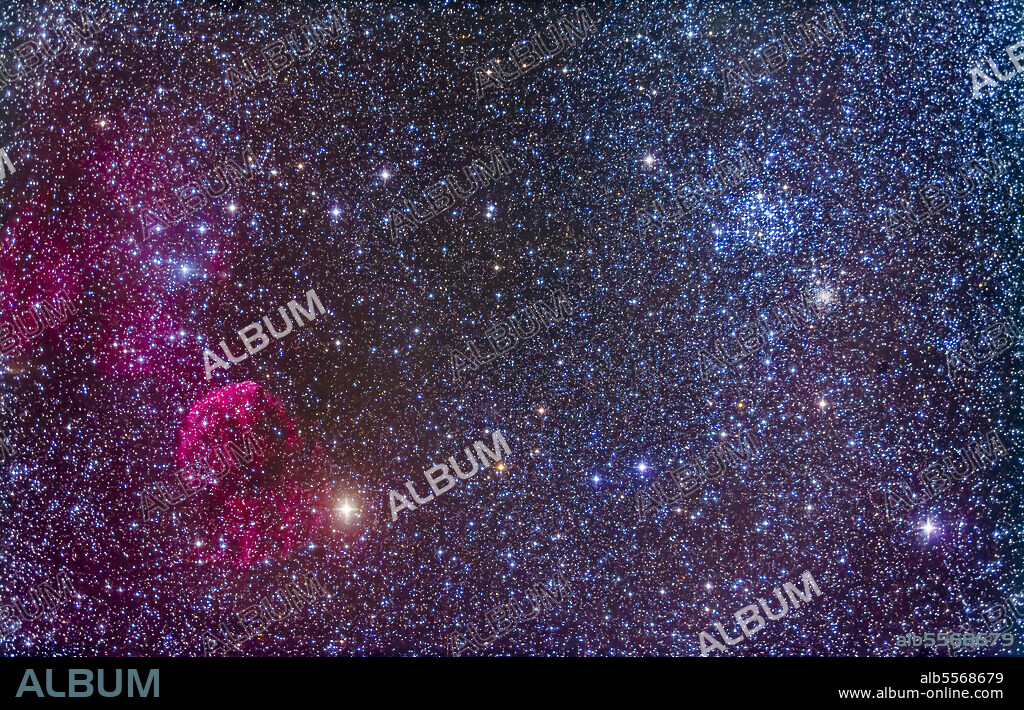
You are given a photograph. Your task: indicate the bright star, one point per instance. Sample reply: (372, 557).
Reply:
(928, 528)
(346, 509)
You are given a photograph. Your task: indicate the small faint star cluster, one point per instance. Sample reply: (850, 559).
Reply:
(113, 404)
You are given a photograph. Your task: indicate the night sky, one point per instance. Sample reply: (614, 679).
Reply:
(684, 331)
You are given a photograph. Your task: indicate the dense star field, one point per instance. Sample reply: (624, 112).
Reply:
(788, 263)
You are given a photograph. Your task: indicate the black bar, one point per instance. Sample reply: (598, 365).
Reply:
(328, 681)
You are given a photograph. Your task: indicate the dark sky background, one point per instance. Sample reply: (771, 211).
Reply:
(595, 409)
